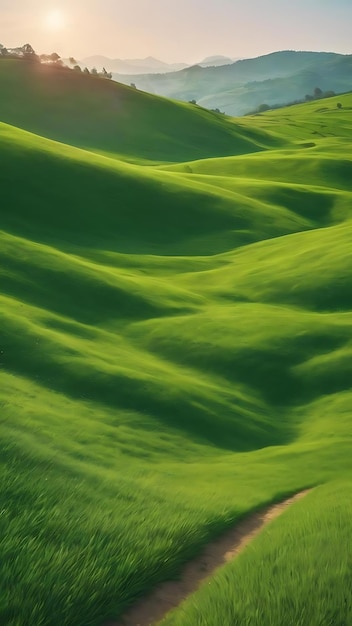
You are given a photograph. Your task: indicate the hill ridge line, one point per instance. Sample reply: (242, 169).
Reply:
(154, 607)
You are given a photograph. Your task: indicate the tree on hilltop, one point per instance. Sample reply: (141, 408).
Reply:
(28, 49)
(54, 57)
(105, 74)
(318, 92)
(28, 52)
(51, 59)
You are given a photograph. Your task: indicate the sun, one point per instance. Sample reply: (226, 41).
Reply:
(54, 20)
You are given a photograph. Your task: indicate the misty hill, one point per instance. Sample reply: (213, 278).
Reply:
(149, 65)
(216, 61)
(241, 86)
(132, 66)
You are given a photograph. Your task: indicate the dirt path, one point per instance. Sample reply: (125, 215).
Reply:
(166, 596)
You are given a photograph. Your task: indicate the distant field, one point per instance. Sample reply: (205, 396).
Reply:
(175, 351)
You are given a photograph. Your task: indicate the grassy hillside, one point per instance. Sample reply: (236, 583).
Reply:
(175, 348)
(100, 115)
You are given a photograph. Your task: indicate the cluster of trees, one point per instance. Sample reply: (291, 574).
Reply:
(51, 59)
(27, 53)
(22, 52)
(93, 71)
(318, 94)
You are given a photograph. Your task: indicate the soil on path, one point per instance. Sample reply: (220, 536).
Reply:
(152, 608)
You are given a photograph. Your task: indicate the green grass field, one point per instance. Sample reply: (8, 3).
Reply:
(290, 574)
(175, 351)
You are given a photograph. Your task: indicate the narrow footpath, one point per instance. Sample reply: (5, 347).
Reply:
(153, 608)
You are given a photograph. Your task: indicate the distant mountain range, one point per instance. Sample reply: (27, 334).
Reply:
(238, 87)
(149, 65)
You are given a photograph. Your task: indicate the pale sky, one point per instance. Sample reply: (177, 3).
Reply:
(176, 30)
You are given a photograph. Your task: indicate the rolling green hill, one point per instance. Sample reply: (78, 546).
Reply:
(103, 116)
(175, 347)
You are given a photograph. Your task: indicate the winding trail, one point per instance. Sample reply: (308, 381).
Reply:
(151, 609)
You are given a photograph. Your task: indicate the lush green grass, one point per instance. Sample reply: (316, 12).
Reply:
(175, 346)
(297, 572)
(124, 207)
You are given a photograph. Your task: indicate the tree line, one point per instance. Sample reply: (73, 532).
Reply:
(27, 53)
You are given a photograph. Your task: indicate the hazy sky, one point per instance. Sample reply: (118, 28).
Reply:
(176, 30)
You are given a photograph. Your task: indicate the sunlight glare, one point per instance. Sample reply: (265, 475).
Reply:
(55, 20)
